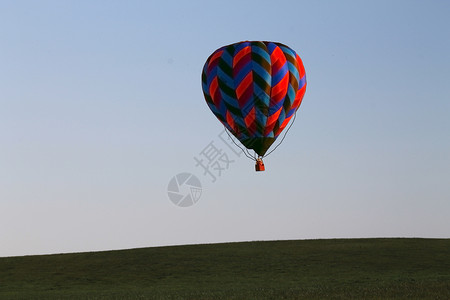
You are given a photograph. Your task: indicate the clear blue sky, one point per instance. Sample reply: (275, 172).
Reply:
(101, 105)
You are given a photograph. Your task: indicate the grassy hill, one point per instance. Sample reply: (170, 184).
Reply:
(305, 269)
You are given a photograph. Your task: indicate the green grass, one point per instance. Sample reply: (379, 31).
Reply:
(305, 269)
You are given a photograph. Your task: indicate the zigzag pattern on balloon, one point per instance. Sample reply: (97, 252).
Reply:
(254, 89)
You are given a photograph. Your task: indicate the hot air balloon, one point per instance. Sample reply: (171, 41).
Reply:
(254, 88)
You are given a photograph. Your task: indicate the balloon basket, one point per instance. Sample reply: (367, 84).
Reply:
(259, 166)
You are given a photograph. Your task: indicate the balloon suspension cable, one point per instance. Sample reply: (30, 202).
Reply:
(287, 130)
(246, 152)
(256, 157)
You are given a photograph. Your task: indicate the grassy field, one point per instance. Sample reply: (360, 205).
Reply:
(305, 269)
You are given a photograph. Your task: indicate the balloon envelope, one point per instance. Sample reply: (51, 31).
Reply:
(254, 88)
